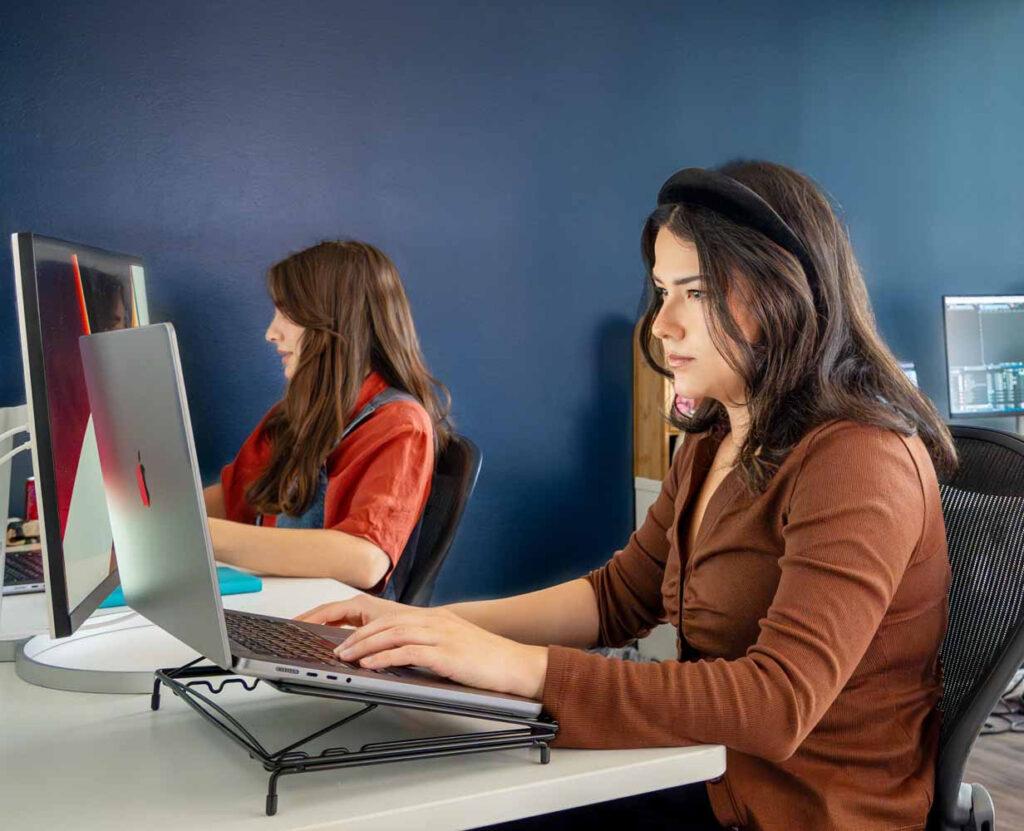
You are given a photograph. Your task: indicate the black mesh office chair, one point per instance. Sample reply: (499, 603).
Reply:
(983, 505)
(455, 476)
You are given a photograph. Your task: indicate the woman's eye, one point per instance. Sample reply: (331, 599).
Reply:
(695, 294)
(660, 293)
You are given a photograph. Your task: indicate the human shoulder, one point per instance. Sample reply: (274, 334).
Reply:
(844, 448)
(406, 415)
(400, 427)
(402, 422)
(852, 435)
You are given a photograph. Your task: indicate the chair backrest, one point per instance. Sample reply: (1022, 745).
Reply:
(455, 475)
(983, 507)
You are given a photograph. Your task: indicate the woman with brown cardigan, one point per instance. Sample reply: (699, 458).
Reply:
(797, 543)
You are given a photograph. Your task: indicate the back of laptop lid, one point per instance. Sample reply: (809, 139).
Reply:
(151, 478)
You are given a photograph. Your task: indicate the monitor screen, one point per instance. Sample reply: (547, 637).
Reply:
(66, 290)
(910, 371)
(985, 354)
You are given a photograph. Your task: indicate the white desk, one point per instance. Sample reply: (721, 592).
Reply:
(107, 762)
(21, 617)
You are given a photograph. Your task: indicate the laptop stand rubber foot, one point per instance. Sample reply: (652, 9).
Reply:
(271, 804)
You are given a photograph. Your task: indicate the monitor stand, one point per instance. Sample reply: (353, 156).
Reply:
(118, 650)
(115, 652)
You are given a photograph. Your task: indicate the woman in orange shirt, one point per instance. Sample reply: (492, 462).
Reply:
(334, 479)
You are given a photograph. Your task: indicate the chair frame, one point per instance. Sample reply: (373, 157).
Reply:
(419, 588)
(958, 805)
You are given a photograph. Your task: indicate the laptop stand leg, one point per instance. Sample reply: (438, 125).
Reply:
(272, 794)
(272, 788)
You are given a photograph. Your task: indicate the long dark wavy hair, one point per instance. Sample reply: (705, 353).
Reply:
(350, 299)
(810, 365)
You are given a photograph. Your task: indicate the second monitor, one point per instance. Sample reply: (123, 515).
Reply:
(984, 354)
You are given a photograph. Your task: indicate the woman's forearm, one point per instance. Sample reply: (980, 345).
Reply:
(565, 615)
(213, 496)
(300, 552)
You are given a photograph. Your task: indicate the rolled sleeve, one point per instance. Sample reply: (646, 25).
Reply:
(382, 497)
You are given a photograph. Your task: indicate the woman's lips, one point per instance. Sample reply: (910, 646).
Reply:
(677, 361)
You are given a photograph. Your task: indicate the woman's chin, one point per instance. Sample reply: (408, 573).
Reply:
(684, 390)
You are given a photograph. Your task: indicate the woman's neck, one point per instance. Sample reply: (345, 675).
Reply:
(739, 423)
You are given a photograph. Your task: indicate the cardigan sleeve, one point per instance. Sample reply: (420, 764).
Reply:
(847, 540)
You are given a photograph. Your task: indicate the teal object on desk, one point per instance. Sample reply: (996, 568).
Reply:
(230, 580)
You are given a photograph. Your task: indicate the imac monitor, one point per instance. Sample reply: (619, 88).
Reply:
(985, 354)
(66, 290)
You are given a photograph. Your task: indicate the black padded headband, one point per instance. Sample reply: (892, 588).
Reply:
(738, 203)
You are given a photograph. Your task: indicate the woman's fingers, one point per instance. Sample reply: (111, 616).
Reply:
(355, 611)
(338, 613)
(401, 634)
(323, 613)
(412, 617)
(403, 656)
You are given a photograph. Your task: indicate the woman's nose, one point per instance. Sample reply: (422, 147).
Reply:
(273, 333)
(664, 324)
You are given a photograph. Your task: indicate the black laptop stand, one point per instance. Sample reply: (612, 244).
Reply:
(186, 681)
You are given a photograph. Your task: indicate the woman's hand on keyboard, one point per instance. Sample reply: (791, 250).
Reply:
(392, 635)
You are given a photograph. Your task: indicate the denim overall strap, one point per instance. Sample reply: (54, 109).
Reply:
(313, 517)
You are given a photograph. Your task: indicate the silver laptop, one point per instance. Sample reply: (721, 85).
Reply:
(23, 564)
(23, 570)
(164, 554)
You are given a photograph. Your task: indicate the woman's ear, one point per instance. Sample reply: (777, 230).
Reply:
(740, 302)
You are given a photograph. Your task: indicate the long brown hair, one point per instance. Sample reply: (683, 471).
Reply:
(811, 363)
(350, 299)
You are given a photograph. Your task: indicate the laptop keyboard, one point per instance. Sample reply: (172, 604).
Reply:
(281, 639)
(23, 568)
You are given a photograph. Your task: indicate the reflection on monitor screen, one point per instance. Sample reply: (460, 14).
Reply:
(107, 299)
(66, 290)
(985, 354)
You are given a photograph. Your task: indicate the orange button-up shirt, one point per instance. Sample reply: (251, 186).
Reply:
(378, 477)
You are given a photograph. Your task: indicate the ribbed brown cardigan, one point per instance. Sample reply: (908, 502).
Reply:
(811, 617)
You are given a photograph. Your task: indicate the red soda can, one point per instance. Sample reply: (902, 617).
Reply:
(31, 506)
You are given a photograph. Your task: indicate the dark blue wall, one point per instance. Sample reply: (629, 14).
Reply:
(912, 115)
(505, 156)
